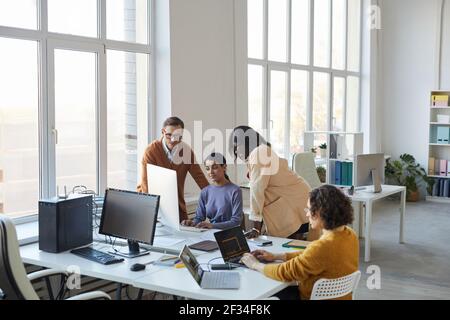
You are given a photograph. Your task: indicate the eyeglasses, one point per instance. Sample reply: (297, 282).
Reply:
(173, 137)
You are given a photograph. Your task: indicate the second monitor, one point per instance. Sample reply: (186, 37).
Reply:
(163, 182)
(370, 170)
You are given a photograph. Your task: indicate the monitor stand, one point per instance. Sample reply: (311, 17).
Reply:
(376, 181)
(133, 250)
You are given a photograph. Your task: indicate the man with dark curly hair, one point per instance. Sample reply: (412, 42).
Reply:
(332, 256)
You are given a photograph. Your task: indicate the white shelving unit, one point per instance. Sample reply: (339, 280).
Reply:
(437, 150)
(348, 145)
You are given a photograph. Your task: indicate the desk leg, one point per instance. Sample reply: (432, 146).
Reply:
(119, 291)
(368, 211)
(357, 219)
(362, 214)
(402, 215)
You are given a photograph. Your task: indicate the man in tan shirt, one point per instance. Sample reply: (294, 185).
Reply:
(171, 153)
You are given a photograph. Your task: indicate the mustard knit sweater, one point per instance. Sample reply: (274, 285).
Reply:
(334, 255)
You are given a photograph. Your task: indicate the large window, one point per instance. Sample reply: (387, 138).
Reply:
(303, 68)
(75, 97)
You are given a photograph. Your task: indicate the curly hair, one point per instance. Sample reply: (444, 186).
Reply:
(332, 205)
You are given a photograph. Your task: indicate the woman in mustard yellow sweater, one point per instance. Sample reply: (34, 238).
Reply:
(332, 256)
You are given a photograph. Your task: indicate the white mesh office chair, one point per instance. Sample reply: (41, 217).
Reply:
(325, 289)
(303, 164)
(15, 284)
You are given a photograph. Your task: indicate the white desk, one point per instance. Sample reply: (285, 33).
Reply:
(253, 285)
(367, 198)
(163, 279)
(119, 272)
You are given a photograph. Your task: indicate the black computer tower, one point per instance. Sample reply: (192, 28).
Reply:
(65, 224)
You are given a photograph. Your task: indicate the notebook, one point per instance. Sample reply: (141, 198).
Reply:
(298, 244)
(206, 245)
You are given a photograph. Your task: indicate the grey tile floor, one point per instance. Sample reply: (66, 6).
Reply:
(418, 269)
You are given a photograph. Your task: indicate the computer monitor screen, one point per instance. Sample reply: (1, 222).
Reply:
(368, 165)
(163, 182)
(191, 263)
(232, 243)
(129, 215)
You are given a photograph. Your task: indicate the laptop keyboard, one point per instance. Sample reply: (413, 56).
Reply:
(215, 279)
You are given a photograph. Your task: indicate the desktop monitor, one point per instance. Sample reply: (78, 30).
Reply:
(132, 216)
(370, 170)
(163, 182)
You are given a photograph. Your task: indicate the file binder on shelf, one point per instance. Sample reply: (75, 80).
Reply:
(443, 135)
(338, 173)
(443, 168)
(431, 166)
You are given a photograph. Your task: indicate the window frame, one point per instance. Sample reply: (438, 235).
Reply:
(268, 65)
(100, 44)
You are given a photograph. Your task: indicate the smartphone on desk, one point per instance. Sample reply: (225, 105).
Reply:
(260, 242)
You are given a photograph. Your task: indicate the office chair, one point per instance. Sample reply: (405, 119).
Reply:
(15, 284)
(303, 164)
(325, 289)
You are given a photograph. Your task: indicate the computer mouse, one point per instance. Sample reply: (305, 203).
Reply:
(137, 267)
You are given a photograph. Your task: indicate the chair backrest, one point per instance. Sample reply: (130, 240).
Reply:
(14, 282)
(303, 164)
(325, 289)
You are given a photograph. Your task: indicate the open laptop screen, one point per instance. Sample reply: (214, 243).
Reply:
(191, 264)
(232, 243)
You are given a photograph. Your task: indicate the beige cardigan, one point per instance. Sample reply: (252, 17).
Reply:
(278, 196)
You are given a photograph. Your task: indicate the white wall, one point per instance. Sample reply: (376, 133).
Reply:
(207, 55)
(408, 75)
(445, 70)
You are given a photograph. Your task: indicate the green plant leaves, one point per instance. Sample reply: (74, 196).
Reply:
(406, 172)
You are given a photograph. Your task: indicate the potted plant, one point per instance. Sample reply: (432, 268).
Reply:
(406, 172)
(322, 173)
(323, 150)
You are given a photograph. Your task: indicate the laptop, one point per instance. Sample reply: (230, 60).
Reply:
(232, 244)
(207, 279)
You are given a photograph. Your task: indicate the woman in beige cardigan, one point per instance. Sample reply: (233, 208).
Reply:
(278, 196)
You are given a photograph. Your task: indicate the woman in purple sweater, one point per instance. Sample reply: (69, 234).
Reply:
(221, 201)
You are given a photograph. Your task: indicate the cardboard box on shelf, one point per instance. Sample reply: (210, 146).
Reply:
(439, 100)
(443, 118)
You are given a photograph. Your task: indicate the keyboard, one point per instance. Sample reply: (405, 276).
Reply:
(192, 229)
(220, 280)
(96, 255)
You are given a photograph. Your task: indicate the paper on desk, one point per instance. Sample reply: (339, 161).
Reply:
(209, 235)
(165, 242)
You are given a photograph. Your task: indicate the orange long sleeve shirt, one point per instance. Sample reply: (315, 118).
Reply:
(334, 255)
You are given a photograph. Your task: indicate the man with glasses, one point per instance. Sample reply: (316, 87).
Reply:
(171, 153)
